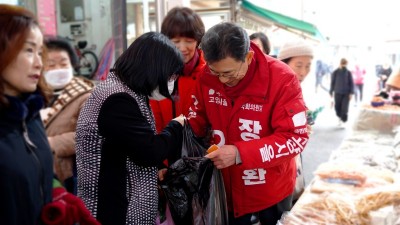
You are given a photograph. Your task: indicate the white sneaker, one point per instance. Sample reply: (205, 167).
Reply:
(342, 124)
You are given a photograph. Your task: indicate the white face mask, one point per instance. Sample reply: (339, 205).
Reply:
(171, 85)
(155, 95)
(59, 78)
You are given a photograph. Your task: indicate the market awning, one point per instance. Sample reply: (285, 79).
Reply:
(281, 21)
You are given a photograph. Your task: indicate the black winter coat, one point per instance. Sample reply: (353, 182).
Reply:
(342, 82)
(26, 171)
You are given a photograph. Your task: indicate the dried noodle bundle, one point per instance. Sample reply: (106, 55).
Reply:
(341, 208)
(330, 209)
(375, 201)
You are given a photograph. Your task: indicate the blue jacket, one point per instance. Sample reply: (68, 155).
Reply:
(25, 162)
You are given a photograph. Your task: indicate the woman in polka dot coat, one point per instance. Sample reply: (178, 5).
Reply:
(118, 150)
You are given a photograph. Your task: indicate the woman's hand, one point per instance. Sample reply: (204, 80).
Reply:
(161, 174)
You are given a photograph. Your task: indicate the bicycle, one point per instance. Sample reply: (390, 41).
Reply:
(88, 61)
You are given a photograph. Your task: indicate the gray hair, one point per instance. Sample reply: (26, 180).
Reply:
(225, 40)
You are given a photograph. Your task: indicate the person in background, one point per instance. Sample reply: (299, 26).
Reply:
(298, 55)
(185, 29)
(256, 111)
(358, 79)
(117, 145)
(342, 89)
(393, 82)
(262, 41)
(383, 74)
(391, 94)
(61, 116)
(26, 173)
(321, 70)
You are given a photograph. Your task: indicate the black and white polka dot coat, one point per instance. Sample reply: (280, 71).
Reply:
(118, 152)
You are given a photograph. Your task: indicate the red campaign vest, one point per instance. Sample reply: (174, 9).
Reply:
(267, 123)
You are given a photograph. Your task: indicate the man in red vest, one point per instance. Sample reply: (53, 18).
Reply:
(254, 106)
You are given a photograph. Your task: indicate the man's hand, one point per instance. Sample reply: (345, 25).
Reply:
(223, 157)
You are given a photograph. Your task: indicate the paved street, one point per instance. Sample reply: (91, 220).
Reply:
(326, 137)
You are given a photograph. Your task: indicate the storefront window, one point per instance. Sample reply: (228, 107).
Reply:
(72, 10)
(140, 18)
(146, 15)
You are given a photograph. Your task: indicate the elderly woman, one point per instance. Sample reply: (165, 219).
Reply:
(298, 55)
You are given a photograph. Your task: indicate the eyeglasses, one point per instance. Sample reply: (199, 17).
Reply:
(173, 77)
(228, 75)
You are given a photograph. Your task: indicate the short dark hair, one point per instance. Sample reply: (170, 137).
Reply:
(148, 63)
(264, 41)
(184, 22)
(60, 43)
(225, 40)
(343, 62)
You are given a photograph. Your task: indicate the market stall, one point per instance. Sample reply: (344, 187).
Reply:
(384, 118)
(360, 183)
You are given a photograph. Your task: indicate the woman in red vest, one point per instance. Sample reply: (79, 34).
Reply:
(185, 29)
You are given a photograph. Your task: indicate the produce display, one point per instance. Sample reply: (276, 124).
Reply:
(360, 183)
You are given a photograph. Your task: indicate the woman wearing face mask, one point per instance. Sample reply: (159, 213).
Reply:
(25, 160)
(61, 116)
(118, 148)
(185, 29)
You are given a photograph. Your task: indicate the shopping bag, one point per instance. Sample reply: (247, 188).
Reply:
(193, 187)
(300, 182)
(165, 219)
(217, 210)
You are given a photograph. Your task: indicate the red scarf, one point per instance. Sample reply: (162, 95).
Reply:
(236, 91)
(189, 66)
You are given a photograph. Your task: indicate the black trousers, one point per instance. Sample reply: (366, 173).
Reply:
(342, 106)
(268, 216)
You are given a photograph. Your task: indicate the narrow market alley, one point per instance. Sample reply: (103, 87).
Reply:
(327, 135)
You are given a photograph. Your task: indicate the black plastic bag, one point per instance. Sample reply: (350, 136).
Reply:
(216, 212)
(194, 187)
